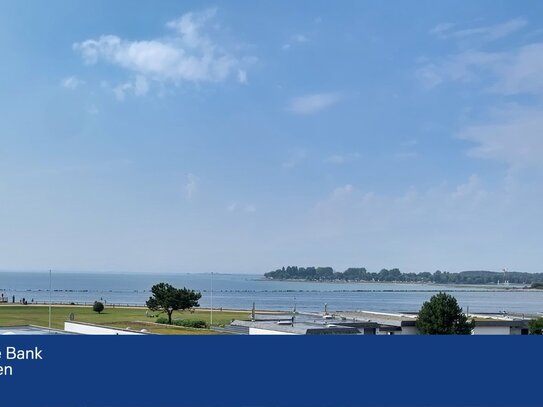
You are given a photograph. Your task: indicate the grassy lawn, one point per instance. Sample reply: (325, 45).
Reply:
(118, 317)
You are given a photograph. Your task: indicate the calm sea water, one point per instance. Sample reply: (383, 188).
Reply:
(240, 290)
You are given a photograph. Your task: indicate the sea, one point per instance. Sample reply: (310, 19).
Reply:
(240, 291)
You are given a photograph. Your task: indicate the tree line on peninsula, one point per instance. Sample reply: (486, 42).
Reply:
(395, 275)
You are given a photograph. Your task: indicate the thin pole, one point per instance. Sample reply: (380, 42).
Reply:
(211, 323)
(50, 298)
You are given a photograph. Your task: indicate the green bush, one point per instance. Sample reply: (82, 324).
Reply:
(162, 320)
(190, 323)
(187, 323)
(536, 326)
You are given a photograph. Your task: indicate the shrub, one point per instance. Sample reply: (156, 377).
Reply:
(98, 307)
(190, 323)
(162, 320)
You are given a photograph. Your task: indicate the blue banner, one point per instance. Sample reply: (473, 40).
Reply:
(224, 371)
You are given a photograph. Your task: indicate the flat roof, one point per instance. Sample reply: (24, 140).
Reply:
(410, 319)
(382, 318)
(314, 318)
(300, 328)
(30, 330)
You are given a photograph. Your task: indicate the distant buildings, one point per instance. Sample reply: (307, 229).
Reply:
(308, 327)
(364, 323)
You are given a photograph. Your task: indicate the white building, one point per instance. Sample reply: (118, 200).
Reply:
(366, 323)
(93, 329)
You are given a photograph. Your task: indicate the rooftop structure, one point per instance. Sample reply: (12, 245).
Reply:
(302, 324)
(405, 323)
(30, 330)
(365, 322)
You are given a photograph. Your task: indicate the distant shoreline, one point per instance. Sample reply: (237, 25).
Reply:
(501, 286)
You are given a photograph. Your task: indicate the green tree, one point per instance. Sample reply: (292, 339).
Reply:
(167, 298)
(442, 315)
(536, 326)
(98, 307)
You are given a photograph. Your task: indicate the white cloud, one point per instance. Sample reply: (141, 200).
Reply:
(72, 82)
(295, 39)
(189, 55)
(313, 103)
(189, 28)
(191, 186)
(514, 72)
(485, 33)
(441, 29)
(120, 90)
(92, 110)
(300, 38)
(522, 71)
(342, 191)
(242, 76)
(251, 208)
(235, 207)
(462, 67)
(295, 157)
(409, 143)
(342, 158)
(471, 188)
(512, 135)
(418, 227)
(402, 155)
(139, 86)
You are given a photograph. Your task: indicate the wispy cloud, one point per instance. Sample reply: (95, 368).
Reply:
(472, 188)
(72, 82)
(342, 191)
(314, 103)
(350, 211)
(237, 207)
(485, 33)
(461, 67)
(513, 72)
(139, 87)
(191, 186)
(242, 76)
(511, 134)
(295, 39)
(294, 158)
(402, 155)
(251, 208)
(188, 54)
(342, 158)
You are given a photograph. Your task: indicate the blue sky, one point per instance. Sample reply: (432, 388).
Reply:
(243, 136)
